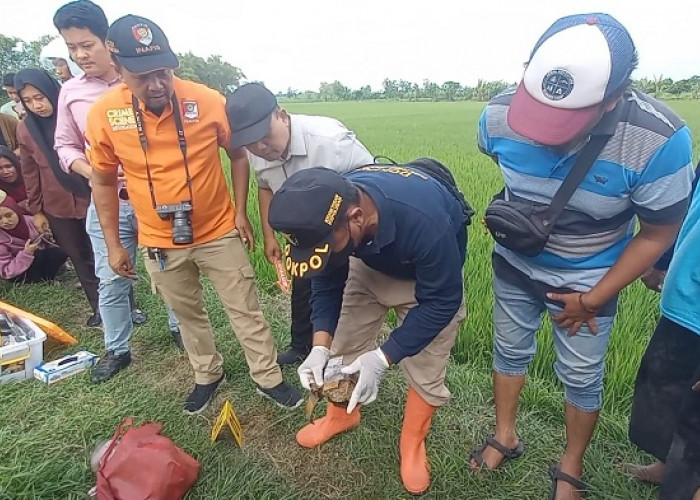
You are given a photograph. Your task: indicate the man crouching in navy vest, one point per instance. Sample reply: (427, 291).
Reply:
(378, 238)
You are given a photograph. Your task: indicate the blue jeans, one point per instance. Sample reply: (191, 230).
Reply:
(517, 316)
(115, 307)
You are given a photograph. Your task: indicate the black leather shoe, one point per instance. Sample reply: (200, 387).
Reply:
(94, 321)
(109, 366)
(177, 338)
(291, 357)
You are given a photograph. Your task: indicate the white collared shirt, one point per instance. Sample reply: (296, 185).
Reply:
(316, 141)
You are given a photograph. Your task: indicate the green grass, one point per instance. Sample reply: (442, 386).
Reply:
(47, 433)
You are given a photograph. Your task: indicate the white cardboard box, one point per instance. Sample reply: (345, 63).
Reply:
(59, 369)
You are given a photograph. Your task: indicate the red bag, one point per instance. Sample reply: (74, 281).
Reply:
(141, 464)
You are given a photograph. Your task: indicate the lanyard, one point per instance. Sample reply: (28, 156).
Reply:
(144, 144)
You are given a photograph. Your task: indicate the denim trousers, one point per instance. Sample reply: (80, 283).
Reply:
(580, 359)
(114, 291)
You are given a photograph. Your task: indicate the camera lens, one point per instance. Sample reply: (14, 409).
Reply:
(182, 228)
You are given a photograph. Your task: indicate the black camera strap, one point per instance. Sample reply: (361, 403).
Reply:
(584, 162)
(144, 144)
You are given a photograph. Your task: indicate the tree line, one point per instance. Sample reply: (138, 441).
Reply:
(661, 87)
(400, 90)
(16, 54)
(215, 72)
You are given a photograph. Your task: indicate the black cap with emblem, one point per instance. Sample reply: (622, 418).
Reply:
(140, 45)
(249, 112)
(306, 209)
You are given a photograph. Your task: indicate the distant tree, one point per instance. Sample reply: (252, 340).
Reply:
(325, 91)
(16, 54)
(661, 85)
(430, 90)
(686, 88)
(694, 86)
(309, 95)
(222, 75)
(335, 91)
(467, 93)
(390, 88)
(407, 90)
(340, 91)
(365, 92)
(451, 90)
(192, 67)
(485, 90)
(646, 85)
(680, 87)
(213, 72)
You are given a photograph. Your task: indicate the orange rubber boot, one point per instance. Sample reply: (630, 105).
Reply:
(415, 469)
(335, 422)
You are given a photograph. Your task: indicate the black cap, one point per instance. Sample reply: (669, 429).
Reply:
(140, 45)
(249, 110)
(305, 209)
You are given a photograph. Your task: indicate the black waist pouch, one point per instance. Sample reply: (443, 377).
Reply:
(519, 226)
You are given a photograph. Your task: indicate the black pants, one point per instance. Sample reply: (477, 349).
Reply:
(45, 266)
(665, 419)
(683, 462)
(302, 331)
(70, 234)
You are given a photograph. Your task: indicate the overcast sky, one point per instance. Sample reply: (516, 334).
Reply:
(300, 43)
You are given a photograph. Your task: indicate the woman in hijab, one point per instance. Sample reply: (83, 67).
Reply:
(57, 199)
(25, 254)
(11, 180)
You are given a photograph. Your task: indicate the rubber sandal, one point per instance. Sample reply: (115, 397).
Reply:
(508, 453)
(555, 474)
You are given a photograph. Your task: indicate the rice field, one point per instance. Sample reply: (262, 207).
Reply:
(47, 433)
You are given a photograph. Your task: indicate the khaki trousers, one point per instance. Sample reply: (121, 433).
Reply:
(368, 297)
(225, 262)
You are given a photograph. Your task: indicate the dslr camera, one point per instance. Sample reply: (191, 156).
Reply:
(179, 216)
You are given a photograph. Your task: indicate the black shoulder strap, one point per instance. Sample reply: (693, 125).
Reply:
(583, 164)
(379, 160)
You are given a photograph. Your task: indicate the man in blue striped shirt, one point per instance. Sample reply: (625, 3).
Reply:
(577, 85)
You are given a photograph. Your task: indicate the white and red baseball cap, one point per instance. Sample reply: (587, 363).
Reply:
(578, 63)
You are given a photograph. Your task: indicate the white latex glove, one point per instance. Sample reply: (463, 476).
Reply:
(371, 366)
(311, 370)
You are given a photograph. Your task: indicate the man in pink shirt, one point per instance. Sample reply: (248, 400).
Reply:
(83, 25)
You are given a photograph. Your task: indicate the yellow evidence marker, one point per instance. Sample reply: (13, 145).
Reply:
(228, 417)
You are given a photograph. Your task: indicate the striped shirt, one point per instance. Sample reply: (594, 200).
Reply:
(644, 171)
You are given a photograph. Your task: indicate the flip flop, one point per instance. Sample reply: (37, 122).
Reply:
(556, 474)
(508, 453)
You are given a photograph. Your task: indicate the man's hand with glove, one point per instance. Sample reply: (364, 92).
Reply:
(311, 370)
(371, 366)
